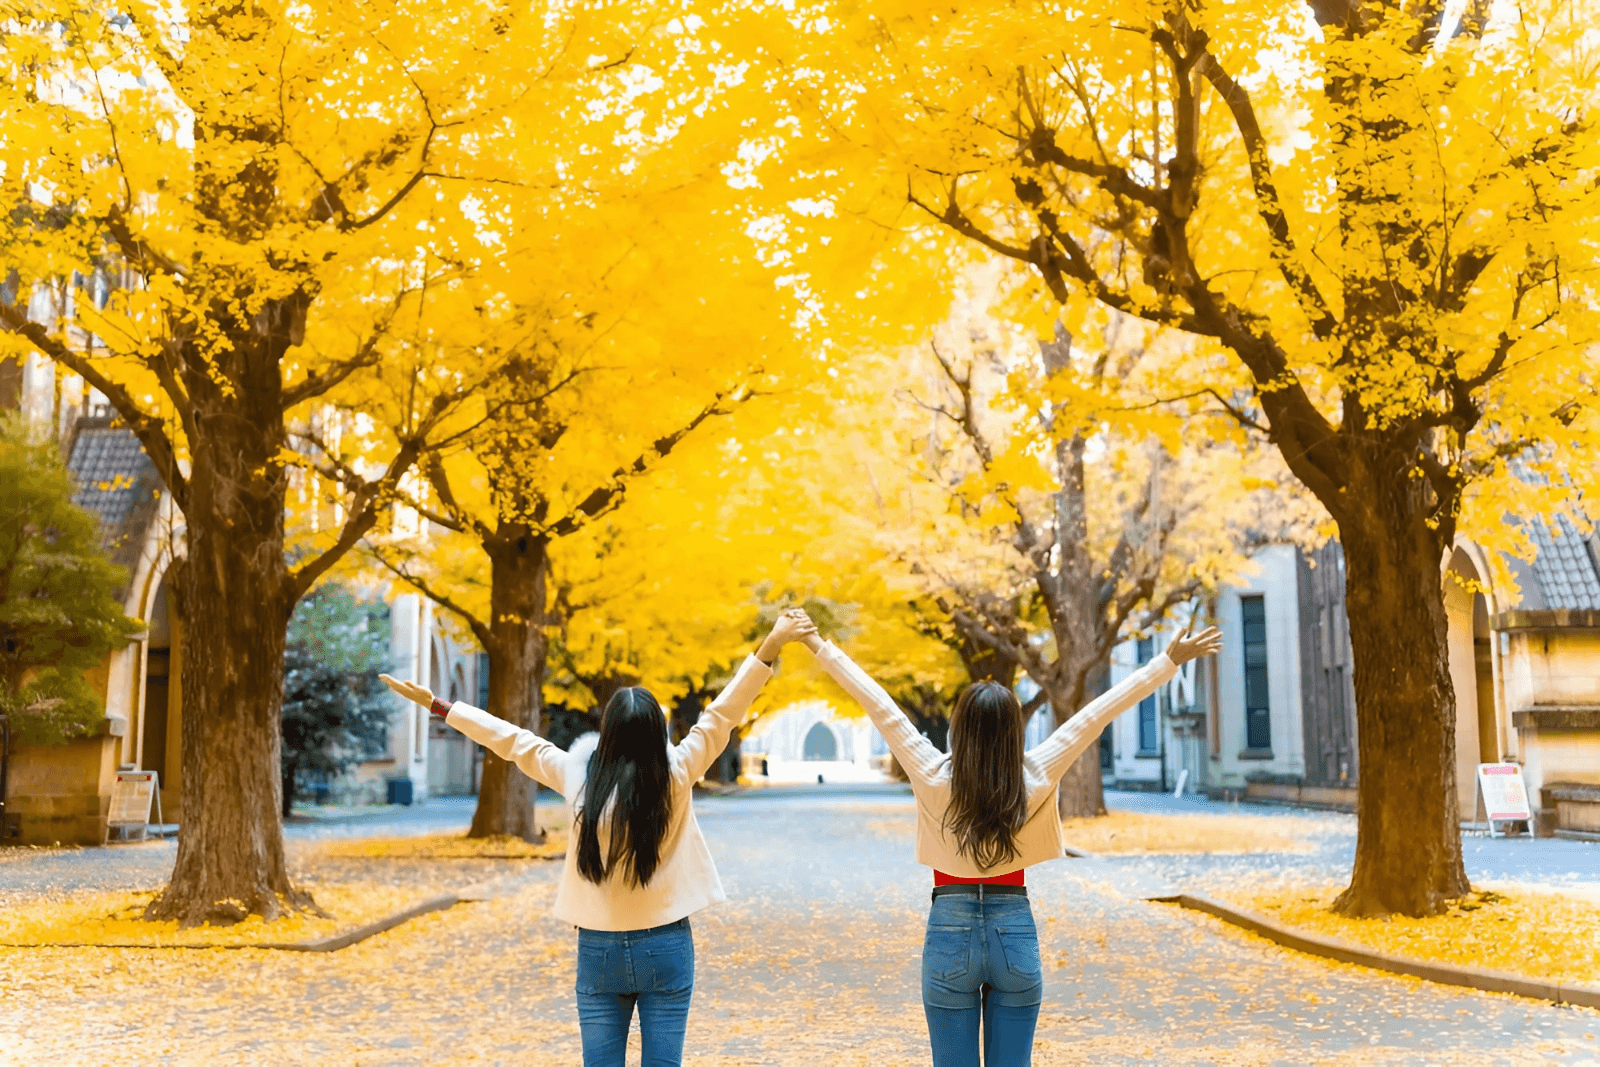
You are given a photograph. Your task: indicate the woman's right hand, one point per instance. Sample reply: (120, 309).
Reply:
(410, 690)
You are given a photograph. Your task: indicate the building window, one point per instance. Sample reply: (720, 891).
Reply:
(1149, 744)
(1257, 703)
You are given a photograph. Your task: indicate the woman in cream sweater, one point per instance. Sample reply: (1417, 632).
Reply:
(637, 866)
(985, 812)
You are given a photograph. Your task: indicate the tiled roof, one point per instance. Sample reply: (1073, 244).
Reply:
(1565, 566)
(117, 482)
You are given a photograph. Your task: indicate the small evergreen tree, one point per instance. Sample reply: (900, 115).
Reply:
(59, 609)
(335, 710)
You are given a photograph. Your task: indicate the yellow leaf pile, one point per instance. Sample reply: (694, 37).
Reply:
(113, 918)
(451, 847)
(1127, 832)
(1531, 932)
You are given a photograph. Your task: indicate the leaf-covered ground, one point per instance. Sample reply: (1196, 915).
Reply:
(451, 847)
(115, 918)
(814, 960)
(1127, 832)
(1503, 926)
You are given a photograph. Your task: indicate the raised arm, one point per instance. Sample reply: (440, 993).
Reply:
(709, 735)
(1072, 738)
(532, 754)
(916, 753)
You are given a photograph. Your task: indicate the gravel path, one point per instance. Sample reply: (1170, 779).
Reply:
(813, 961)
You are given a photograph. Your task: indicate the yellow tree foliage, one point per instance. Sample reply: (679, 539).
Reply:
(1383, 215)
(267, 189)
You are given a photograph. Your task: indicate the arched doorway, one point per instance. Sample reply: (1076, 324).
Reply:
(820, 744)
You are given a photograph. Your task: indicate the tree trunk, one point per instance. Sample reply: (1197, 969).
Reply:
(1082, 794)
(1408, 830)
(517, 560)
(229, 595)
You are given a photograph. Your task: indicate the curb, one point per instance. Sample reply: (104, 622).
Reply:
(361, 933)
(326, 944)
(1558, 992)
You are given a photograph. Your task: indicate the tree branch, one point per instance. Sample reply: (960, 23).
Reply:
(606, 497)
(479, 628)
(147, 427)
(1269, 205)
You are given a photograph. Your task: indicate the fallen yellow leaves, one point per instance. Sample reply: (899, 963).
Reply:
(1128, 832)
(113, 918)
(1526, 931)
(450, 847)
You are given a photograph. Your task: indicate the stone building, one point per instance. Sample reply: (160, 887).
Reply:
(1273, 717)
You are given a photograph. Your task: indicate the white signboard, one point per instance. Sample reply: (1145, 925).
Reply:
(1502, 794)
(131, 797)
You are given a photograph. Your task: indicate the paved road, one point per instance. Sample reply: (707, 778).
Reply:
(1546, 861)
(812, 961)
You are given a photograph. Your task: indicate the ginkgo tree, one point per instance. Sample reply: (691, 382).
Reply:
(1069, 512)
(264, 180)
(655, 318)
(1382, 214)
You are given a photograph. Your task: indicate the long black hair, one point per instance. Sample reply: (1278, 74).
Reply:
(988, 798)
(629, 768)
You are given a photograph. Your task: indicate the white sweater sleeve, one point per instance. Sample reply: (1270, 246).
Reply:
(1072, 738)
(916, 753)
(709, 735)
(533, 755)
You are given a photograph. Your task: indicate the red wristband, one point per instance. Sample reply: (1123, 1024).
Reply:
(439, 707)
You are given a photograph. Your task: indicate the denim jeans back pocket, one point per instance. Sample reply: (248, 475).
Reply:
(1021, 947)
(602, 968)
(671, 964)
(946, 951)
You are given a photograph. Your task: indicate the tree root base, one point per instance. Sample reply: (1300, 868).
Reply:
(190, 912)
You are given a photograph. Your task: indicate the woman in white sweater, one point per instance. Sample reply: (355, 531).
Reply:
(985, 812)
(637, 866)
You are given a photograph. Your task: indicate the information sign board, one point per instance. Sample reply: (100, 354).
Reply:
(131, 797)
(1502, 794)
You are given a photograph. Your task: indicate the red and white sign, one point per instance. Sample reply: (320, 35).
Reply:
(1504, 796)
(131, 797)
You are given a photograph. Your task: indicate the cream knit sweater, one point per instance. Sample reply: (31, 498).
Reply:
(686, 879)
(1042, 766)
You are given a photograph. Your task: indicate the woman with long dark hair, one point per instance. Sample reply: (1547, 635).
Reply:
(637, 866)
(985, 812)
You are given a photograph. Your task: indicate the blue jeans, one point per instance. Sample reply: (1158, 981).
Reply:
(620, 968)
(980, 963)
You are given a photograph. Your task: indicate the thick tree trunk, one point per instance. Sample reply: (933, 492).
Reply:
(1408, 843)
(517, 562)
(230, 597)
